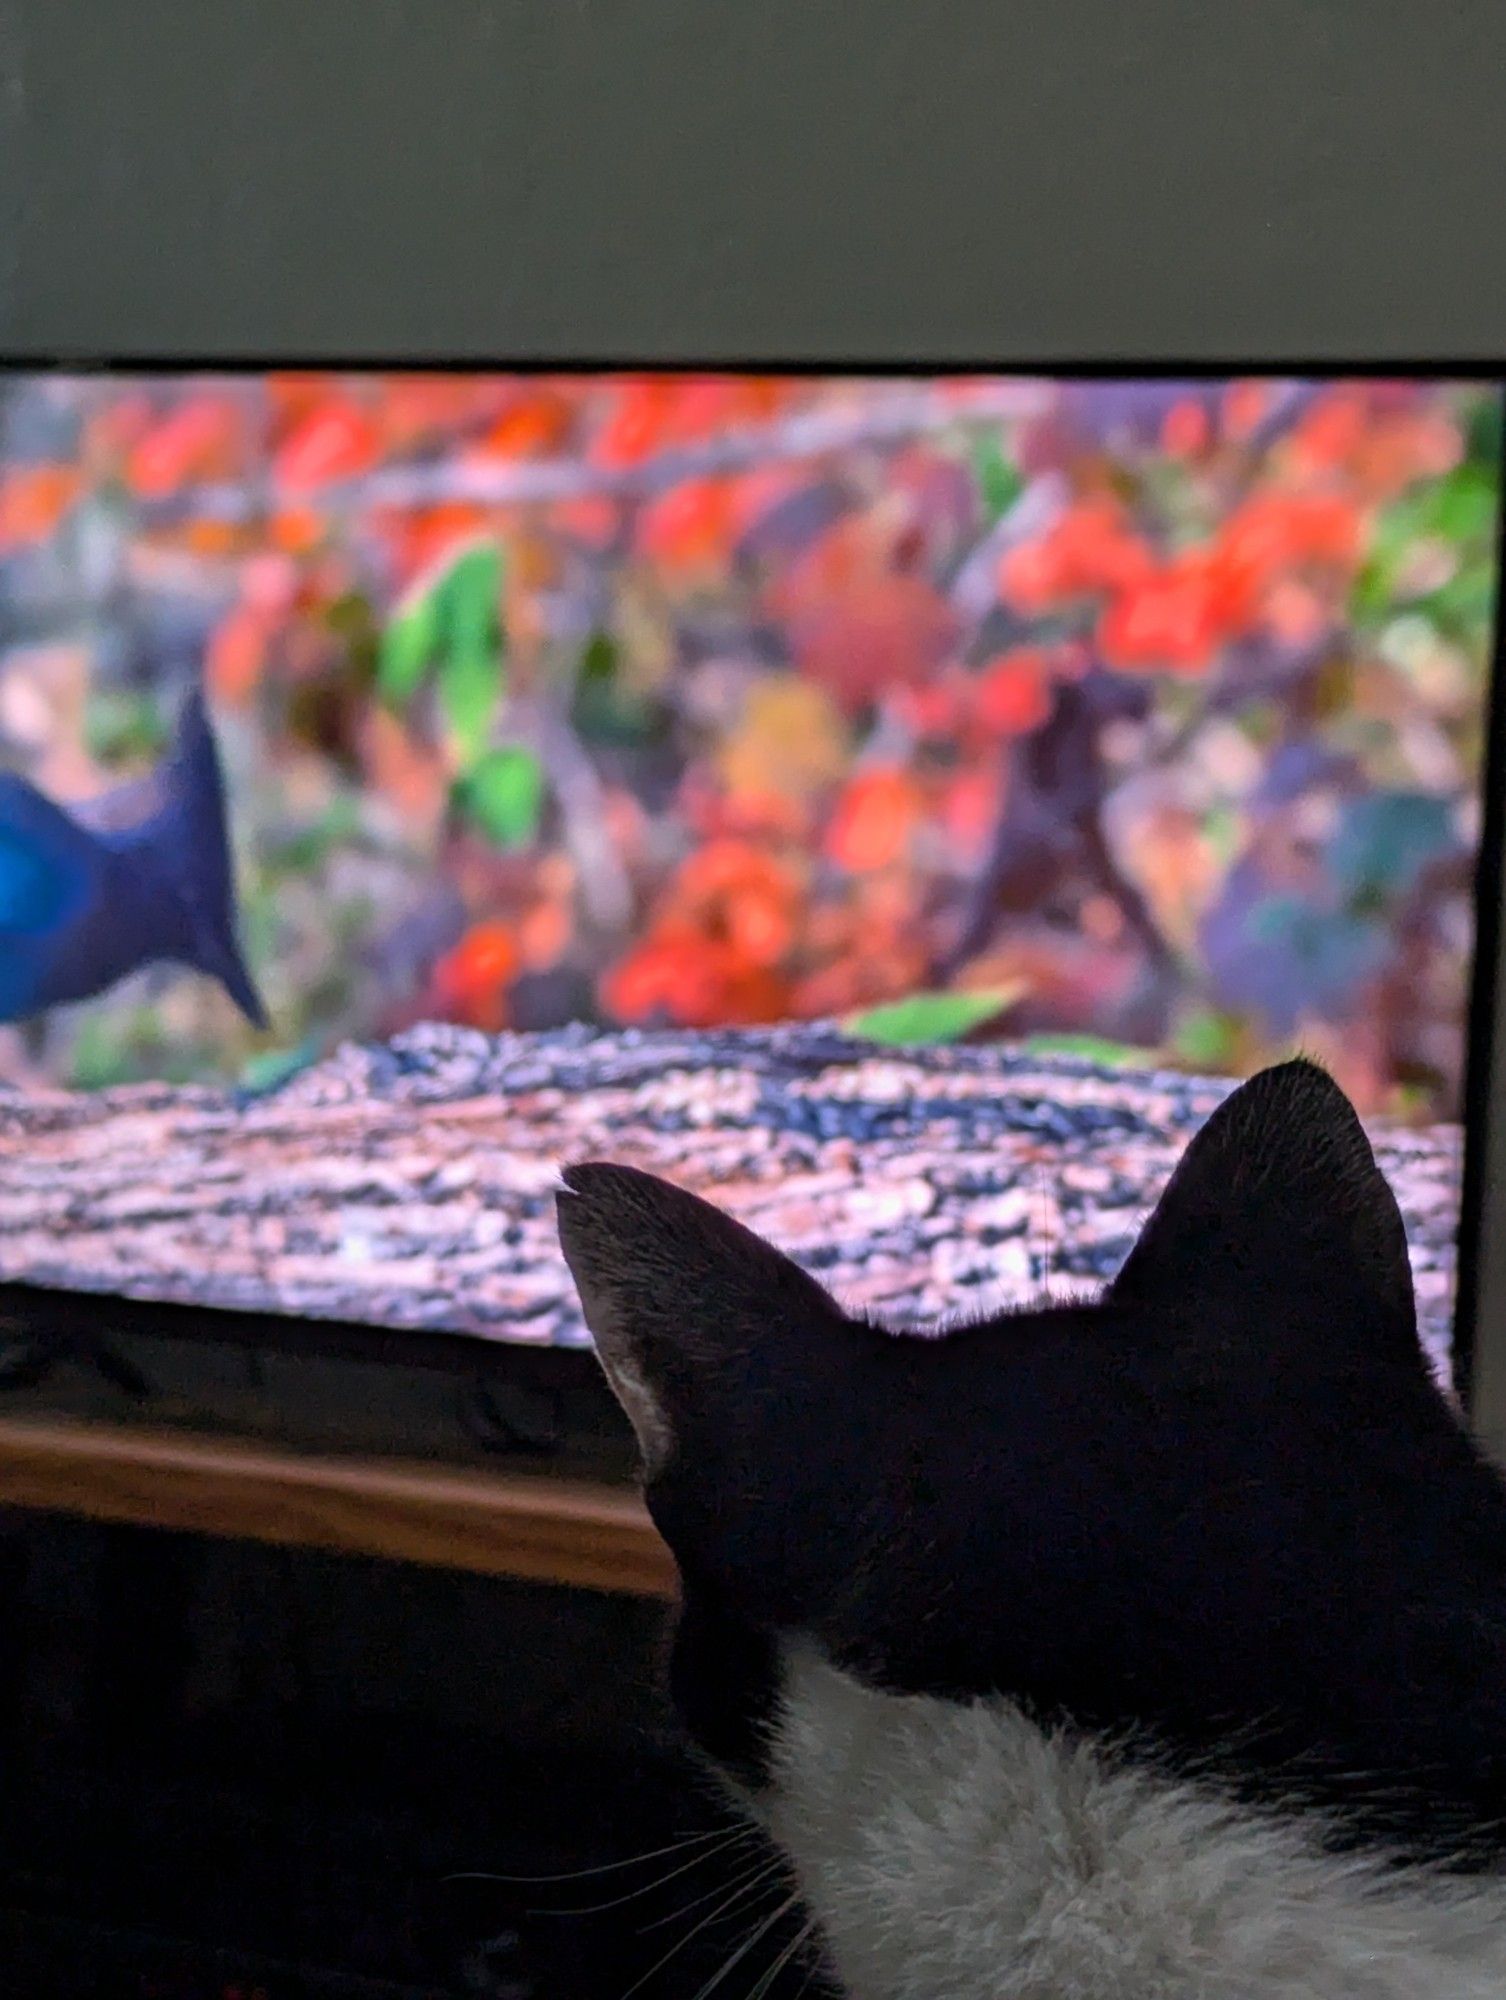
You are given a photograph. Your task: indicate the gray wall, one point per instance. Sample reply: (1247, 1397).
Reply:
(804, 179)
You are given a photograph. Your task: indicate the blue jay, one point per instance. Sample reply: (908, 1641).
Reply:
(139, 876)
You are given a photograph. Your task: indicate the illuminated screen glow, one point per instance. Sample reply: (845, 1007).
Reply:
(351, 722)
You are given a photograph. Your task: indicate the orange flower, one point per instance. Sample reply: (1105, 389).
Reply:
(1331, 431)
(1423, 445)
(471, 981)
(199, 439)
(112, 430)
(1186, 431)
(1268, 545)
(1031, 576)
(712, 956)
(1013, 693)
(295, 530)
(1173, 622)
(726, 867)
(414, 409)
(209, 537)
(527, 427)
(1245, 405)
(697, 981)
(875, 820)
(294, 397)
(237, 655)
(697, 407)
(755, 813)
(421, 539)
(831, 989)
(337, 442)
(635, 428)
(1089, 549)
(1276, 529)
(638, 986)
(543, 935)
(688, 527)
(702, 406)
(970, 810)
(748, 996)
(760, 925)
(33, 500)
(935, 708)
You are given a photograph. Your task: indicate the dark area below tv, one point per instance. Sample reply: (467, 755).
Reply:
(236, 1766)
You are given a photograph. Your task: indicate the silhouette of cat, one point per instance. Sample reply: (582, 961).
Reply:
(1151, 1645)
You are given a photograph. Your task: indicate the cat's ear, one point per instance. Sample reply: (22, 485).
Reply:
(699, 1324)
(1279, 1198)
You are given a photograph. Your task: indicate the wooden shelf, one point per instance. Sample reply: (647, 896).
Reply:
(596, 1537)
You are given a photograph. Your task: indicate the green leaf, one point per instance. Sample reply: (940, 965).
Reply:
(295, 848)
(1091, 1048)
(1466, 505)
(999, 482)
(98, 1055)
(470, 681)
(1459, 509)
(1462, 608)
(122, 728)
(471, 672)
(453, 609)
(261, 1074)
(594, 698)
(932, 1017)
(1484, 428)
(604, 709)
(408, 643)
(353, 620)
(504, 795)
(598, 662)
(473, 597)
(1207, 1040)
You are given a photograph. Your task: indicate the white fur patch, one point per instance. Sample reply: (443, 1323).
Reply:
(957, 1852)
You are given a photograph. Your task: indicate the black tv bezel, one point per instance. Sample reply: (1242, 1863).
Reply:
(30, 1311)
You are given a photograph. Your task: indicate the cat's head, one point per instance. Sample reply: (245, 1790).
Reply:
(1222, 1505)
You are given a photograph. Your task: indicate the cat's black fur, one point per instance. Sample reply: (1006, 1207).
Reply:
(1223, 1511)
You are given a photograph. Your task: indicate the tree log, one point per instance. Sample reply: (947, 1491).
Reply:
(410, 1184)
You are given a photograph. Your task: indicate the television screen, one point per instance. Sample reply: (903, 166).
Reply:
(895, 807)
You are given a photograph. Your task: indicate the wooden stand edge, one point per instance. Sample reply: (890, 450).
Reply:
(595, 1537)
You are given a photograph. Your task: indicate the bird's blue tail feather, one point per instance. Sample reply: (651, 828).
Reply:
(189, 835)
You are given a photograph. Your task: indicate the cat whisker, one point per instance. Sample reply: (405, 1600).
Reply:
(708, 1850)
(796, 1944)
(812, 1969)
(645, 1888)
(758, 1866)
(752, 1887)
(720, 1835)
(762, 1931)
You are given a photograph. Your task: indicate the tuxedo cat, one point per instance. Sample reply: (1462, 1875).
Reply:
(1140, 1648)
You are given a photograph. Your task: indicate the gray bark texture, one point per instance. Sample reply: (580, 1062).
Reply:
(410, 1184)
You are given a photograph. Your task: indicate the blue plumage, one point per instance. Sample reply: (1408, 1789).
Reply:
(140, 876)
